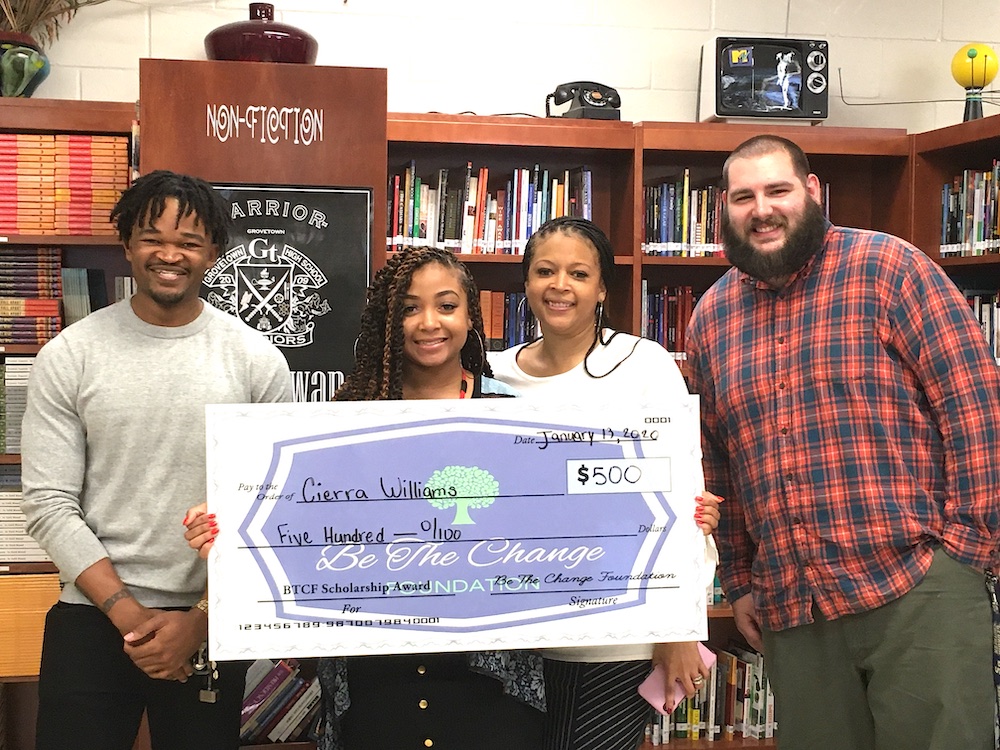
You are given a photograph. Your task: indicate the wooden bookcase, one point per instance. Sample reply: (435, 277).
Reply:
(26, 598)
(879, 178)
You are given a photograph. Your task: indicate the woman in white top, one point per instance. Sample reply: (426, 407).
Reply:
(591, 692)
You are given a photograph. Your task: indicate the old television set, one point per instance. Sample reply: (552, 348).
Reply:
(745, 77)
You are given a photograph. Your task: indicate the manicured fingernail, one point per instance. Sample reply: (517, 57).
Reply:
(185, 521)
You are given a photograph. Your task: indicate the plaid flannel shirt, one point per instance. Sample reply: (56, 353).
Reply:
(852, 419)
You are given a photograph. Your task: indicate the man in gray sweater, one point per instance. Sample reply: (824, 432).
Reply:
(113, 455)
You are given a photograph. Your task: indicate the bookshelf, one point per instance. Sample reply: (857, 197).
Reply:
(29, 589)
(879, 178)
(504, 144)
(937, 157)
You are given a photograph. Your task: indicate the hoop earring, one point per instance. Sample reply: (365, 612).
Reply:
(356, 341)
(600, 316)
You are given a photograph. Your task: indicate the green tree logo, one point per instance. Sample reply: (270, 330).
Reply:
(463, 487)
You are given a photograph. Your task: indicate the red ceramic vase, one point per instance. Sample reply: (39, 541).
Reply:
(261, 39)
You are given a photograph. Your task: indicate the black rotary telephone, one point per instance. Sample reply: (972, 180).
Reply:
(591, 101)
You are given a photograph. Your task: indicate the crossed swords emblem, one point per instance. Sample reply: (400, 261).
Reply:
(263, 301)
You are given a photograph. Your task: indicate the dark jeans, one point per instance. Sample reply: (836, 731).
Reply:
(91, 696)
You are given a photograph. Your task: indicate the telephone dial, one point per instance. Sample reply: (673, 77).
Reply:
(590, 101)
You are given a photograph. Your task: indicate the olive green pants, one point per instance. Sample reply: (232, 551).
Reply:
(914, 674)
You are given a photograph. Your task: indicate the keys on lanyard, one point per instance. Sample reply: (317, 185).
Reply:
(201, 665)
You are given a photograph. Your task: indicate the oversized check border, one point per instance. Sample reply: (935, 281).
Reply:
(365, 528)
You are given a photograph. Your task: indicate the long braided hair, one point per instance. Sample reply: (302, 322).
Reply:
(378, 368)
(593, 235)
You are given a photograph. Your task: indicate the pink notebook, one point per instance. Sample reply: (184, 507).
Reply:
(652, 689)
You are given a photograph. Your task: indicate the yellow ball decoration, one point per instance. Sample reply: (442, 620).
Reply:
(975, 65)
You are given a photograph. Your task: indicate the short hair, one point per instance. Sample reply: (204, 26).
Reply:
(378, 352)
(760, 145)
(147, 198)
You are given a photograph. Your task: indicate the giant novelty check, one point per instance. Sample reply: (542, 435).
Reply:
(412, 526)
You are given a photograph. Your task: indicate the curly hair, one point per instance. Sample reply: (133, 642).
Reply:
(378, 368)
(146, 200)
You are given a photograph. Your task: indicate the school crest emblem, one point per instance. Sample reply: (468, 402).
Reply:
(272, 287)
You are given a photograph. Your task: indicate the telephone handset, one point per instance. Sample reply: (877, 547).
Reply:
(590, 100)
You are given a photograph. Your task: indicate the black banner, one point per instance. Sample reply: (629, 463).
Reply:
(297, 270)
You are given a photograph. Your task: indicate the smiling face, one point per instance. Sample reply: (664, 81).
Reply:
(772, 222)
(436, 319)
(564, 285)
(169, 257)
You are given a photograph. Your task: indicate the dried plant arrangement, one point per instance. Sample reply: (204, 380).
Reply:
(39, 19)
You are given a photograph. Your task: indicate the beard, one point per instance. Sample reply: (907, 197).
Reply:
(802, 242)
(167, 299)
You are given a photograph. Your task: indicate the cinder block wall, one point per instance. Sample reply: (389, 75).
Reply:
(504, 57)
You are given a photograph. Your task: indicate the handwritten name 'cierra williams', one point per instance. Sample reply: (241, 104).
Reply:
(397, 488)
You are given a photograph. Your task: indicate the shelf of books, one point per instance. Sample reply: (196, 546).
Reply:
(865, 173)
(481, 185)
(956, 212)
(281, 704)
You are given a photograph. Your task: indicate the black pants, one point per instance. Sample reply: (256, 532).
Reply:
(404, 701)
(91, 696)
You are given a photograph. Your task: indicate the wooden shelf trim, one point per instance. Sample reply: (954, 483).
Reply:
(820, 140)
(551, 132)
(974, 132)
(964, 261)
(66, 116)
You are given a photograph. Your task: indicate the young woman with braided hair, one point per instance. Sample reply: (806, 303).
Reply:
(422, 338)
(591, 697)
(420, 348)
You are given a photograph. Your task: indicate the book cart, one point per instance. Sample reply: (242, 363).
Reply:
(878, 178)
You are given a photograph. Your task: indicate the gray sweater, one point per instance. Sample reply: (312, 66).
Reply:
(114, 441)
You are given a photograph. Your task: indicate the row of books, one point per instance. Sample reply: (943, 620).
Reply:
(681, 219)
(666, 313)
(985, 306)
(736, 701)
(15, 544)
(507, 319)
(455, 209)
(60, 183)
(279, 705)
(970, 221)
(14, 372)
(84, 290)
(30, 293)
